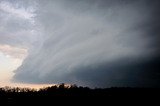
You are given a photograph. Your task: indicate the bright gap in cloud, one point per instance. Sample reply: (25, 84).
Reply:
(7, 65)
(15, 52)
(10, 59)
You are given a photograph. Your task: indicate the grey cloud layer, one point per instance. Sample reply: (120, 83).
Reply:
(16, 24)
(94, 43)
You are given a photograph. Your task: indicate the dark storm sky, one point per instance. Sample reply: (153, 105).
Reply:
(96, 43)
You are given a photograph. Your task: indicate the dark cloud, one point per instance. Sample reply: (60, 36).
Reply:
(95, 43)
(122, 73)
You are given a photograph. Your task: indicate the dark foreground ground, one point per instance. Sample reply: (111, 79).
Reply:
(78, 95)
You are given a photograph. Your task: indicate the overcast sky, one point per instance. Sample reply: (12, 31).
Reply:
(95, 43)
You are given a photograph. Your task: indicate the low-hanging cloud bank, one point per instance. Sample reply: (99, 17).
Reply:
(97, 43)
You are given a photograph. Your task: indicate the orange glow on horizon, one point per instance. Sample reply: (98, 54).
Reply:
(34, 86)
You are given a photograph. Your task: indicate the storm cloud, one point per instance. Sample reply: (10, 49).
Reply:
(96, 43)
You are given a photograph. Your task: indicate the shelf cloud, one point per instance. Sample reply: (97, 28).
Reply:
(96, 43)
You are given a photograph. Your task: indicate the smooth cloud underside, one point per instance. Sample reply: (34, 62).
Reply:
(97, 43)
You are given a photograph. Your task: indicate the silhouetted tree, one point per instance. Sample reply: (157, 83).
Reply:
(62, 86)
(44, 94)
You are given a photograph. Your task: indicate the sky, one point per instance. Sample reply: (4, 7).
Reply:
(94, 43)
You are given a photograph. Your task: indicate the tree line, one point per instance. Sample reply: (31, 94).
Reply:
(66, 92)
